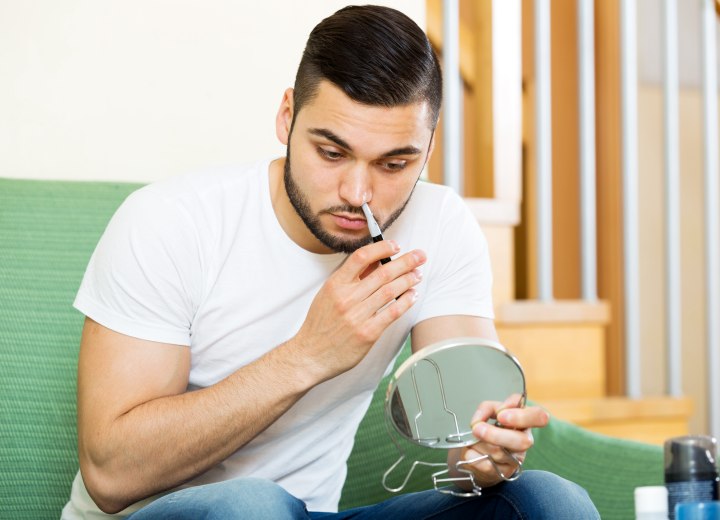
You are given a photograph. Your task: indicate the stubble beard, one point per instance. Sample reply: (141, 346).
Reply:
(301, 205)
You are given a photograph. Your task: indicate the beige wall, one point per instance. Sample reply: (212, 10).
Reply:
(652, 243)
(140, 90)
(652, 239)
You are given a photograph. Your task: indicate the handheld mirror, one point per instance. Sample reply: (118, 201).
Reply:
(433, 395)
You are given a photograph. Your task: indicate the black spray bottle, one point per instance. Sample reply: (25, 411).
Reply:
(691, 474)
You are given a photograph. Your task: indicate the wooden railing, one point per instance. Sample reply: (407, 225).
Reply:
(467, 41)
(491, 70)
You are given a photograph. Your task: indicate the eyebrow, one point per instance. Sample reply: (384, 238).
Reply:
(331, 136)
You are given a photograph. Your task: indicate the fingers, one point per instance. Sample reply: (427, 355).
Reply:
(365, 256)
(357, 264)
(384, 290)
(356, 305)
(514, 424)
(487, 457)
(523, 418)
(485, 411)
(490, 464)
(393, 289)
(362, 297)
(513, 440)
(384, 316)
(491, 409)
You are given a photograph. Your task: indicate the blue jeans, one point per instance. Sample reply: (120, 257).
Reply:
(535, 495)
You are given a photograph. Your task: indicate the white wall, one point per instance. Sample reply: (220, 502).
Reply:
(650, 42)
(143, 89)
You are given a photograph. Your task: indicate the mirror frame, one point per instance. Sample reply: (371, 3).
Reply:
(416, 357)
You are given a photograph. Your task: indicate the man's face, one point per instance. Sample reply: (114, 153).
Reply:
(341, 153)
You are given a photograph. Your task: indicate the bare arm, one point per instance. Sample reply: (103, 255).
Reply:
(140, 432)
(515, 436)
(445, 327)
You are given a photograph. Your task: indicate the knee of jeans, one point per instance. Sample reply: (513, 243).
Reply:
(556, 497)
(257, 498)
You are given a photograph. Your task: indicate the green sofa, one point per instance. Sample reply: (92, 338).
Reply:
(48, 230)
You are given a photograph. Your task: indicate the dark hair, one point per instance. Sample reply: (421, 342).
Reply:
(376, 55)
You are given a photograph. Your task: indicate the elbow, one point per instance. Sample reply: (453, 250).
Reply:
(104, 488)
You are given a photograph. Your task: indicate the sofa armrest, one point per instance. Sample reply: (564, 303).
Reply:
(608, 468)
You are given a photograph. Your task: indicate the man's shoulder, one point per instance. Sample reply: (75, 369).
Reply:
(209, 182)
(433, 189)
(442, 199)
(436, 192)
(204, 200)
(205, 190)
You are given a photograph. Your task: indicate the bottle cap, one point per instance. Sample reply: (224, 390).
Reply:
(697, 511)
(691, 457)
(651, 499)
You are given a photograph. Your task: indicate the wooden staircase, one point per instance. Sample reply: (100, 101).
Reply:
(561, 347)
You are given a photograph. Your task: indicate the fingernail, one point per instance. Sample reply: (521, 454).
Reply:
(395, 246)
(419, 256)
(418, 274)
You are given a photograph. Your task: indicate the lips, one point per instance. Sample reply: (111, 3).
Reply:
(349, 222)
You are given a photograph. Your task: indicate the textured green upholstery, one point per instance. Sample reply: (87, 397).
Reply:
(47, 233)
(48, 230)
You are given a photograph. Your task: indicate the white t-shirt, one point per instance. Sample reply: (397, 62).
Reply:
(202, 261)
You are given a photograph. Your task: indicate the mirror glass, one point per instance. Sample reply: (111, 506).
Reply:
(435, 392)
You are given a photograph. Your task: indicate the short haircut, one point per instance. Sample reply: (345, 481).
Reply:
(377, 55)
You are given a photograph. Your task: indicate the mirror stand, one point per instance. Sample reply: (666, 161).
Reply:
(427, 409)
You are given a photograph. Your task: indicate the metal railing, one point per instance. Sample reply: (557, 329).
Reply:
(629, 127)
(712, 210)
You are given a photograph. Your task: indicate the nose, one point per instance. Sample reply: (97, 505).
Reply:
(355, 186)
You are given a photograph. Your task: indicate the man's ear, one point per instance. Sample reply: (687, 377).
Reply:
(284, 118)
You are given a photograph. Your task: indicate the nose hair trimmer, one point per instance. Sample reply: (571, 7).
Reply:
(375, 232)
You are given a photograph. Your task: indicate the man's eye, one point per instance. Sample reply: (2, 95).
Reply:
(329, 154)
(394, 166)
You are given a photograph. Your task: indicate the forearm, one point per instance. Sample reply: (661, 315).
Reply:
(161, 443)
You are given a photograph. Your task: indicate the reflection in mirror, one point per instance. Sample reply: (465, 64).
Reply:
(433, 395)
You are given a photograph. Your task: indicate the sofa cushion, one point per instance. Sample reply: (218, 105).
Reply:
(47, 232)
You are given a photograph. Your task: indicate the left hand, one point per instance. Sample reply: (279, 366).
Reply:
(513, 433)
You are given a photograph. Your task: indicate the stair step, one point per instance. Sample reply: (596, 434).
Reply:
(560, 345)
(559, 362)
(649, 419)
(561, 312)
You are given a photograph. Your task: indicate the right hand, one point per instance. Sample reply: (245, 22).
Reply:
(355, 306)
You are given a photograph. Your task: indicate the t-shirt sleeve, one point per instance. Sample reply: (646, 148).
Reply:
(143, 278)
(460, 277)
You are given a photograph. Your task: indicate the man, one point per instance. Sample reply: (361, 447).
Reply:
(239, 321)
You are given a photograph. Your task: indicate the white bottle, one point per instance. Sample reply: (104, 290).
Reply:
(651, 503)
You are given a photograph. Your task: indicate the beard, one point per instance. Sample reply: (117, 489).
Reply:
(339, 244)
